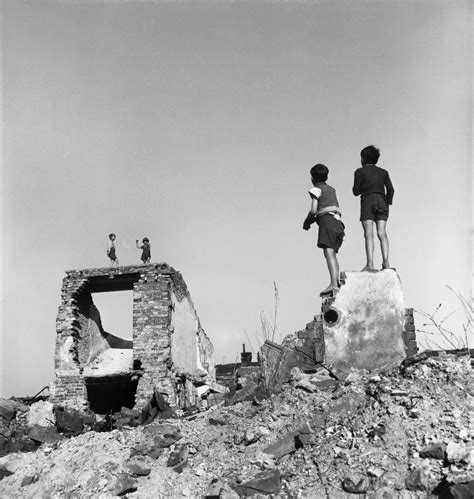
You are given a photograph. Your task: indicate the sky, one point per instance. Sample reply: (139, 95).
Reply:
(196, 125)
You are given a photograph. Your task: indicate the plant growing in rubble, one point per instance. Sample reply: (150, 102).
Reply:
(436, 325)
(268, 325)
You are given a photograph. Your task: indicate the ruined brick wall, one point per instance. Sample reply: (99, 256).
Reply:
(151, 336)
(68, 388)
(409, 334)
(158, 291)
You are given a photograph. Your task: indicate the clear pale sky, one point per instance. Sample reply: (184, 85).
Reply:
(196, 124)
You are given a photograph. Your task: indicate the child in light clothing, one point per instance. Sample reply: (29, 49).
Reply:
(326, 213)
(111, 251)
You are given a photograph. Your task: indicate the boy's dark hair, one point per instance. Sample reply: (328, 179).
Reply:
(370, 155)
(145, 240)
(319, 173)
(110, 235)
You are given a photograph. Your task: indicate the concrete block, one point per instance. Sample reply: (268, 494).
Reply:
(364, 325)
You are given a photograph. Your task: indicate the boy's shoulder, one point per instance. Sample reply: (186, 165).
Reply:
(371, 170)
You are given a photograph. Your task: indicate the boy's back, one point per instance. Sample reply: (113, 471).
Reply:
(371, 179)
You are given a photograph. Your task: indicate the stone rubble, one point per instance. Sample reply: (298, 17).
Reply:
(400, 433)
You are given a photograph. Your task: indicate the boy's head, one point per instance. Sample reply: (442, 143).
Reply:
(369, 155)
(145, 240)
(112, 237)
(319, 173)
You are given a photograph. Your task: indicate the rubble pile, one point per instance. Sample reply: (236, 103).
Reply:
(403, 433)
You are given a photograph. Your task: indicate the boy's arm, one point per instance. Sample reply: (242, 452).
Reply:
(356, 186)
(389, 188)
(311, 216)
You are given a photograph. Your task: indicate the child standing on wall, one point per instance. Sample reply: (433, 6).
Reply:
(326, 213)
(111, 251)
(146, 250)
(376, 191)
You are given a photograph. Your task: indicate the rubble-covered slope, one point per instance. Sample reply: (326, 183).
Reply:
(400, 434)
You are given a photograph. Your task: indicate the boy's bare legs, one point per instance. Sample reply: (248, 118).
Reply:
(382, 235)
(368, 226)
(333, 267)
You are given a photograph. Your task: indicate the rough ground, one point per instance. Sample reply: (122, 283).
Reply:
(399, 434)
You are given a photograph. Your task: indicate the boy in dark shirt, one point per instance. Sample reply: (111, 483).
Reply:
(146, 250)
(375, 188)
(326, 213)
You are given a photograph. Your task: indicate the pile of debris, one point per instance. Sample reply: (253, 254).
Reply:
(400, 433)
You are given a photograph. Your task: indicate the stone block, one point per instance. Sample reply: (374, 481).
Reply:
(44, 435)
(8, 409)
(364, 325)
(41, 414)
(264, 483)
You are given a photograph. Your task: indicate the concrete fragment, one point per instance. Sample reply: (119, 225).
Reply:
(283, 446)
(306, 385)
(178, 459)
(434, 451)
(368, 325)
(214, 489)
(28, 480)
(265, 482)
(246, 393)
(216, 422)
(361, 487)
(164, 435)
(70, 422)
(392, 480)
(147, 448)
(8, 409)
(456, 452)
(44, 435)
(462, 490)
(4, 473)
(122, 484)
(137, 469)
(41, 414)
(418, 480)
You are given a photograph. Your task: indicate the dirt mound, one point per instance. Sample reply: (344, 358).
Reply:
(400, 434)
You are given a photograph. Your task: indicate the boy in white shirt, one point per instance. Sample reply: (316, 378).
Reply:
(326, 213)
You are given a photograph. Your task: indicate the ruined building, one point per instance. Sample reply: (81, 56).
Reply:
(364, 326)
(169, 350)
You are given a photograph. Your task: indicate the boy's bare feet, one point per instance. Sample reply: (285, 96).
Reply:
(368, 268)
(386, 265)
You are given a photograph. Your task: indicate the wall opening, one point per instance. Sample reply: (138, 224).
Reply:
(116, 312)
(110, 393)
(331, 316)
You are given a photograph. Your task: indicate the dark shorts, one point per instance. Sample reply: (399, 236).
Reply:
(331, 232)
(373, 207)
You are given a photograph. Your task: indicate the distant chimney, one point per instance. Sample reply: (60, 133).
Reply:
(245, 357)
